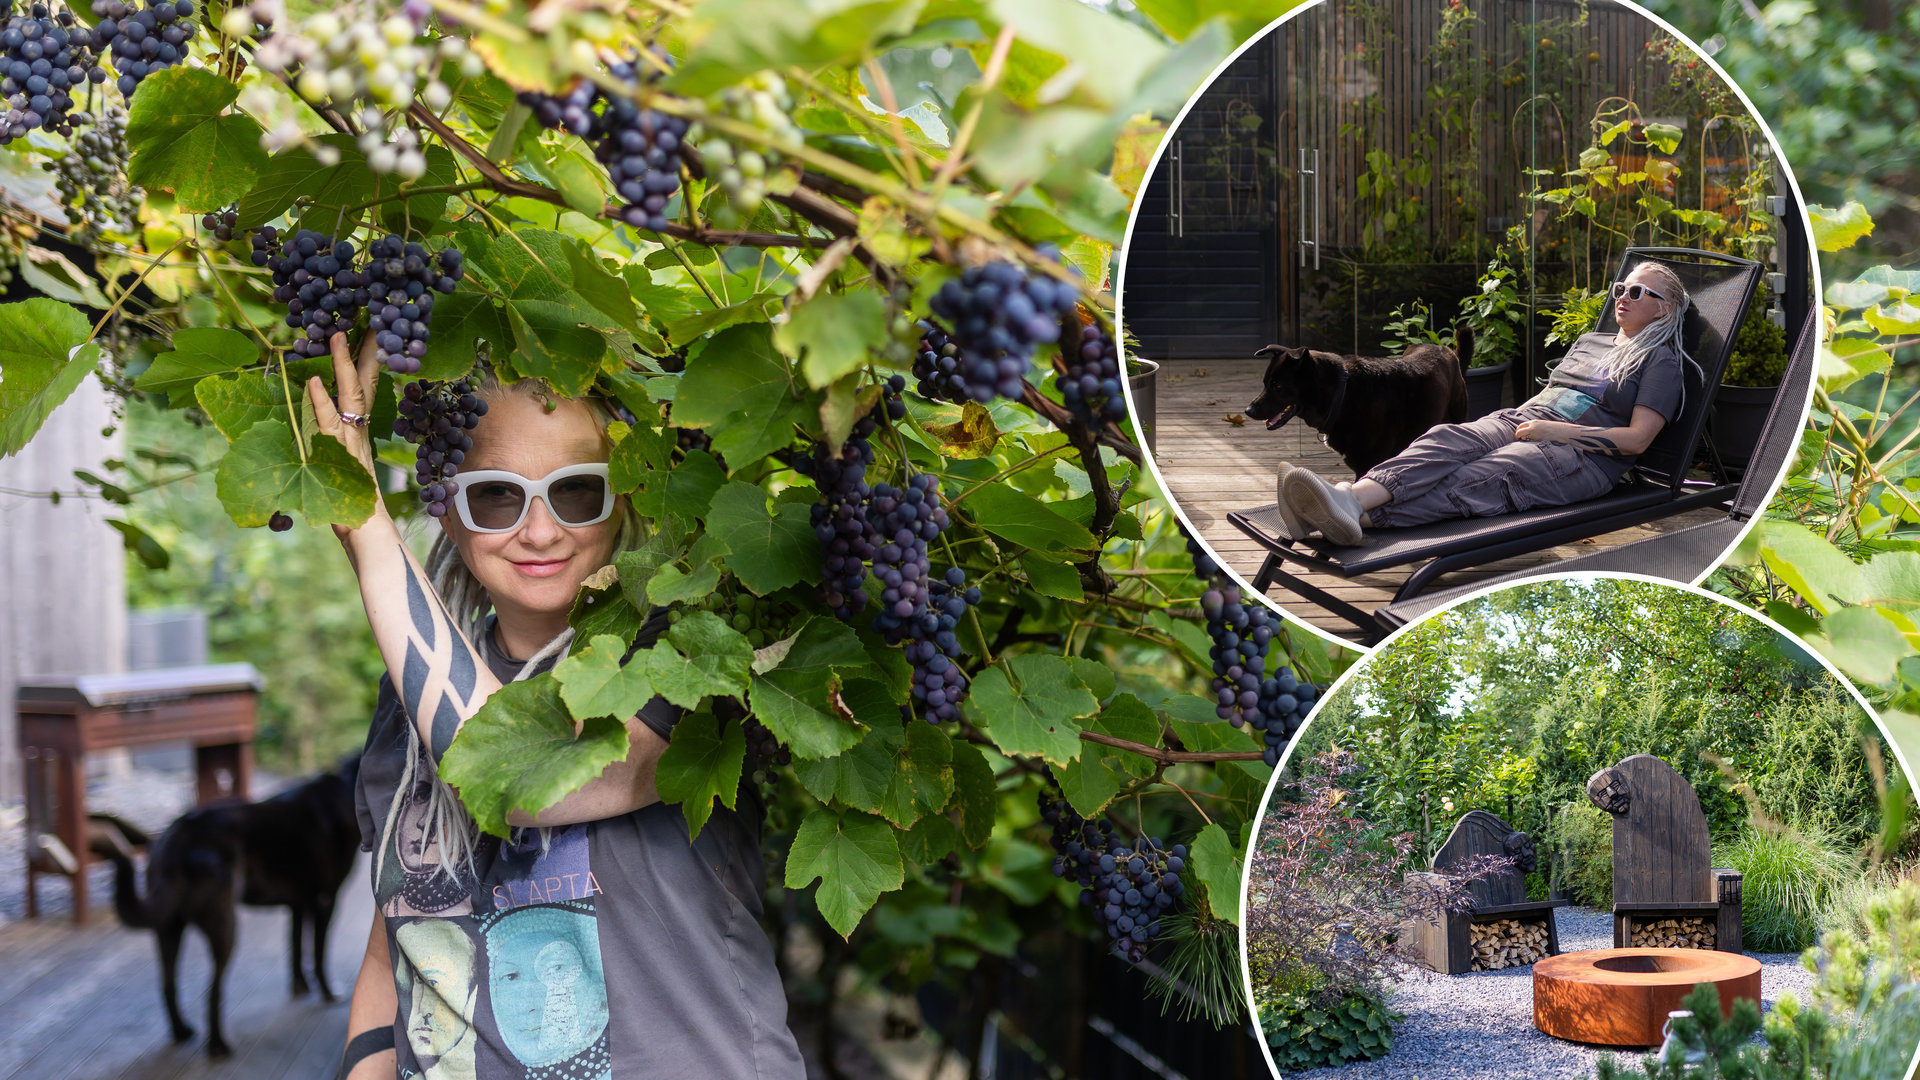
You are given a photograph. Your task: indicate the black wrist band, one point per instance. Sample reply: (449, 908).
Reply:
(363, 1046)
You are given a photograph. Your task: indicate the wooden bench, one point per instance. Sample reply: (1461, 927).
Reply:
(1661, 853)
(1445, 943)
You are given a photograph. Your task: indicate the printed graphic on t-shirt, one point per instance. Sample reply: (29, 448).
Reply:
(411, 879)
(1570, 404)
(537, 870)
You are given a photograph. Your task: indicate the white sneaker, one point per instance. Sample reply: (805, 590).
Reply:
(1291, 524)
(1334, 512)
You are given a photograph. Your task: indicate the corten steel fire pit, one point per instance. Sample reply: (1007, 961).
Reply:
(1621, 997)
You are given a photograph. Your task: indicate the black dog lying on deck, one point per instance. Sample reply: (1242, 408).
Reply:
(1366, 408)
(293, 850)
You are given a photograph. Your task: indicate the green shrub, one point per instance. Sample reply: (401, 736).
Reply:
(1577, 314)
(1759, 351)
(1581, 839)
(1307, 1035)
(1788, 877)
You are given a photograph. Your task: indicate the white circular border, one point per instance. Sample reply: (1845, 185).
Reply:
(1133, 215)
(1253, 837)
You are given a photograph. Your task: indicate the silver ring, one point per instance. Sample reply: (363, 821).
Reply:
(354, 418)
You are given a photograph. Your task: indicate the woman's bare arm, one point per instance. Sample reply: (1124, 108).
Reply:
(370, 1046)
(1608, 442)
(440, 677)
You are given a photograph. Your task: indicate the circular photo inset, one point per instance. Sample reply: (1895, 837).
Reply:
(1576, 821)
(1423, 292)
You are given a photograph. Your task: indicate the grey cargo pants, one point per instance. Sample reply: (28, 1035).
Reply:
(1476, 469)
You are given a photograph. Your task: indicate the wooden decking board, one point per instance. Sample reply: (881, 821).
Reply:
(88, 1007)
(1210, 467)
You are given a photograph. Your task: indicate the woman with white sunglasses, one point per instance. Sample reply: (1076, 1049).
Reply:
(600, 939)
(1602, 407)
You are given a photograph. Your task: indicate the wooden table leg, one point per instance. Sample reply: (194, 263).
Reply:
(70, 823)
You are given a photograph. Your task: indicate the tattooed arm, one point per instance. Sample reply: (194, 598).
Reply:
(1608, 442)
(440, 676)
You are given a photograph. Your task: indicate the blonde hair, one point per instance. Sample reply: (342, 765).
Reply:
(1667, 331)
(467, 602)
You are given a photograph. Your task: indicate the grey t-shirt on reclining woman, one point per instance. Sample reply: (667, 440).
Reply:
(608, 949)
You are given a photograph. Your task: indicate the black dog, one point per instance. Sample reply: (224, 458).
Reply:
(292, 851)
(1367, 408)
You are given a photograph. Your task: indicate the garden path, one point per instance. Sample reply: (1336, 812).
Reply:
(1479, 1026)
(1211, 467)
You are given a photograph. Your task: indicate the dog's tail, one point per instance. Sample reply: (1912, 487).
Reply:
(127, 901)
(1463, 344)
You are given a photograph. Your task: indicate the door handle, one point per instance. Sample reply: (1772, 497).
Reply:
(1309, 167)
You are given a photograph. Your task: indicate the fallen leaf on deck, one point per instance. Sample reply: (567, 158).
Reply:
(1234, 418)
(1211, 401)
(1200, 373)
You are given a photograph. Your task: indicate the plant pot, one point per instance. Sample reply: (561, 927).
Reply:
(1739, 414)
(1484, 387)
(1140, 383)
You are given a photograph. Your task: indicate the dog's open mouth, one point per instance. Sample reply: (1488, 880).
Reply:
(1281, 417)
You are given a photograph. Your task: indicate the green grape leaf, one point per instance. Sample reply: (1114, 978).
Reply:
(1026, 521)
(1820, 573)
(460, 320)
(833, 334)
(237, 404)
(182, 140)
(740, 388)
(768, 550)
(262, 473)
(1094, 675)
(637, 566)
(1216, 866)
(519, 752)
(1051, 578)
(42, 362)
(197, 353)
(702, 657)
(854, 856)
(731, 39)
(602, 608)
(861, 776)
(578, 180)
(550, 343)
(416, 215)
(684, 491)
(701, 763)
(803, 700)
(142, 545)
(1846, 360)
(1068, 30)
(598, 286)
(646, 450)
(1895, 320)
(1868, 642)
(976, 793)
(971, 436)
(1835, 230)
(296, 171)
(921, 781)
(594, 683)
(931, 839)
(1037, 712)
(672, 585)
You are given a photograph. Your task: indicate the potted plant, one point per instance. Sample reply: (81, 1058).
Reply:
(1746, 392)
(1495, 317)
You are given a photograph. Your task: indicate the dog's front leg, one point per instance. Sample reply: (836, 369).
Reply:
(170, 934)
(322, 918)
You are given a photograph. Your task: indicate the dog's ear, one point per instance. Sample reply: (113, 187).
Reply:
(1281, 354)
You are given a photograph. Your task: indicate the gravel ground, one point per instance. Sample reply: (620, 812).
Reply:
(1465, 1027)
(150, 798)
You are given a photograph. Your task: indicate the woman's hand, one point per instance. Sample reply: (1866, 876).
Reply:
(358, 381)
(1544, 431)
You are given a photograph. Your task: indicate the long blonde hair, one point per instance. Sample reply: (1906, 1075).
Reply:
(467, 602)
(1667, 331)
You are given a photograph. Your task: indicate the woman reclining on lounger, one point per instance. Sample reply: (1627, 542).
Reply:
(1601, 408)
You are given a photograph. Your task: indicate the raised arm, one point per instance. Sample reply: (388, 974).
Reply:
(440, 676)
(1626, 441)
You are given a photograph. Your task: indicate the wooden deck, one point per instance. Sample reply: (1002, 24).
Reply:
(1211, 466)
(84, 1003)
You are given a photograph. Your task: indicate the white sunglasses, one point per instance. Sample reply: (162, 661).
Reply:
(497, 501)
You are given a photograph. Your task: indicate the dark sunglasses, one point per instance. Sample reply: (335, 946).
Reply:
(1633, 292)
(496, 501)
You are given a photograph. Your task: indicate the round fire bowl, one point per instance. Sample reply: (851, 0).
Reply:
(1621, 997)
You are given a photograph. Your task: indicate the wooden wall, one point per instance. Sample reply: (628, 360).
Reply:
(62, 569)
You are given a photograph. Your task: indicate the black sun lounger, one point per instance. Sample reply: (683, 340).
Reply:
(1721, 287)
(1680, 555)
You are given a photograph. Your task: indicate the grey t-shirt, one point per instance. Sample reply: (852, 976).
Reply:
(609, 949)
(1584, 389)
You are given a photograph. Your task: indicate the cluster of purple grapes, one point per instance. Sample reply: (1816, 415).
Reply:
(1274, 704)
(313, 277)
(764, 749)
(436, 417)
(936, 363)
(998, 314)
(143, 40)
(43, 57)
(220, 225)
(640, 147)
(915, 608)
(1091, 383)
(401, 274)
(840, 517)
(1127, 889)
